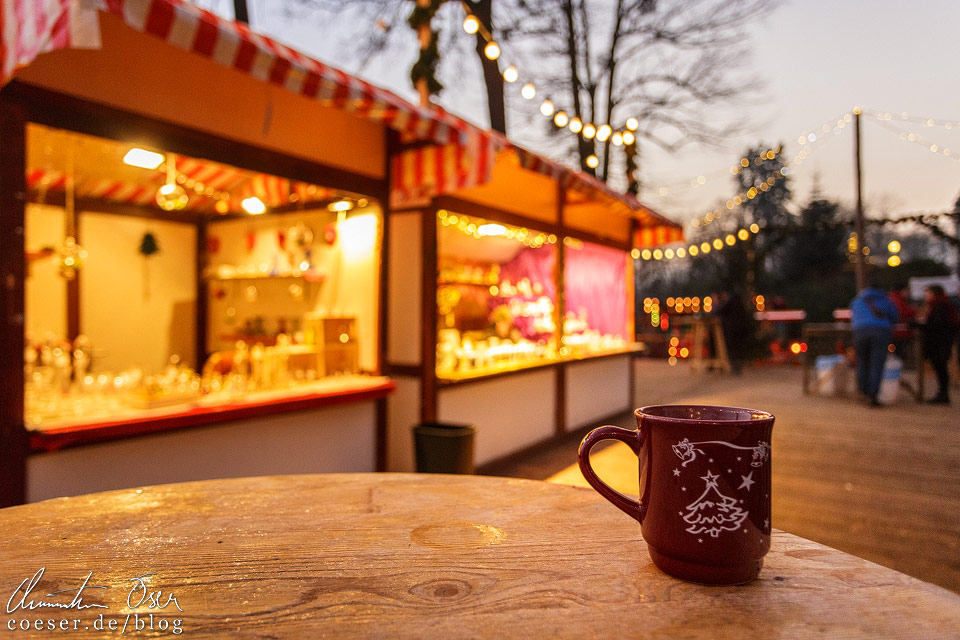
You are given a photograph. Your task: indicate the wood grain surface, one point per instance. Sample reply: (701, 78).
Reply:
(420, 556)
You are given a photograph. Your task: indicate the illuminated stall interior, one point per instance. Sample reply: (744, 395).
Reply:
(156, 279)
(496, 296)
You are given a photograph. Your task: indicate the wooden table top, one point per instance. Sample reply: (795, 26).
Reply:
(415, 556)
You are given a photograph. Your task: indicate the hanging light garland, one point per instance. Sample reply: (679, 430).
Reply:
(808, 137)
(696, 248)
(906, 117)
(479, 228)
(934, 148)
(811, 138)
(528, 91)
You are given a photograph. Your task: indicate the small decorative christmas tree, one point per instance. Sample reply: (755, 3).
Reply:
(148, 244)
(713, 512)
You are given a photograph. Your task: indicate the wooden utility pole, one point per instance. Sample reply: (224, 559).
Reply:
(858, 221)
(240, 11)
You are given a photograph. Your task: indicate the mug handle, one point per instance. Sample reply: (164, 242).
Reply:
(631, 438)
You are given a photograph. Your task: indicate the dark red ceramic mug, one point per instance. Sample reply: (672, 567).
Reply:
(704, 507)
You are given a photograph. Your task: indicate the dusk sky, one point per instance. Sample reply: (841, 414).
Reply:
(817, 60)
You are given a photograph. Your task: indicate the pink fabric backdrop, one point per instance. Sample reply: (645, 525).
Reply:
(594, 278)
(537, 265)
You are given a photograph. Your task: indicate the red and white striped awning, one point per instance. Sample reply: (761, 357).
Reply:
(29, 28)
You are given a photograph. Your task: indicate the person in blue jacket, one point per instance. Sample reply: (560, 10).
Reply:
(872, 318)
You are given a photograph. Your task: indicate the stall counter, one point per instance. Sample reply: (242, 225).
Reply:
(331, 427)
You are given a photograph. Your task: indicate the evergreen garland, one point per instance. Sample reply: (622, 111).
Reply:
(631, 151)
(425, 68)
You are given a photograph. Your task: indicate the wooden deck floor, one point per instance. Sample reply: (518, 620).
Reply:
(880, 483)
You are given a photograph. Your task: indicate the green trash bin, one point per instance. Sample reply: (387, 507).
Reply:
(444, 448)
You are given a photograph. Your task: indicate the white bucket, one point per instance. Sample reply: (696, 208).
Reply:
(890, 382)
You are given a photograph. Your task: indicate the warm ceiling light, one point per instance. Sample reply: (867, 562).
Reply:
(340, 205)
(510, 74)
(491, 229)
(492, 50)
(471, 25)
(253, 205)
(142, 158)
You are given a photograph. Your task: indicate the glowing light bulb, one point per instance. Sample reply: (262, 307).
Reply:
(510, 74)
(492, 50)
(617, 139)
(253, 205)
(576, 125)
(628, 138)
(603, 132)
(471, 25)
(546, 108)
(632, 124)
(589, 131)
(528, 91)
(142, 158)
(560, 119)
(592, 161)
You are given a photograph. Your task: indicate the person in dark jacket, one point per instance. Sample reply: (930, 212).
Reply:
(735, 321)
(872, 318)
(939, 328)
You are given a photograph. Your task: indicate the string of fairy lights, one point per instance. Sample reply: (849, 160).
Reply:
(603, 132)
(914, 119)
(809, 140)
(528, 91)
(918, 139)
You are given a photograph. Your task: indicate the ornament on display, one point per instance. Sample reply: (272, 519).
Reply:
(172, 197)
(330, 234)
(300, 236)
(70, 257)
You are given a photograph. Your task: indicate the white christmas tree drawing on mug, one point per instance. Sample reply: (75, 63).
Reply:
(713, 512)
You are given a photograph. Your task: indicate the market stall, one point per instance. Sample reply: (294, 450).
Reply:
(192, 251)
(509, 303)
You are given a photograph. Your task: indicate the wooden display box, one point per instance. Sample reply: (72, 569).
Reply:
(336, 339)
